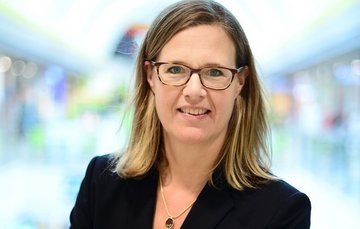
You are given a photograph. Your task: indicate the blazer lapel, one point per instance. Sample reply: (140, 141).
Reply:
(211, 206)
(141, 201)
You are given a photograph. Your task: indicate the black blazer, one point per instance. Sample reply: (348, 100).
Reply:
(107, 201)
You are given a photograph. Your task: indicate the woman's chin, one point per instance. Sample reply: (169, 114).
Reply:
(192, 136)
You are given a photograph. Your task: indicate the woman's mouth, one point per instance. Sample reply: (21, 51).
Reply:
(194, 111)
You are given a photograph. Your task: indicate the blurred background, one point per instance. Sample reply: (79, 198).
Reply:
(66, 71)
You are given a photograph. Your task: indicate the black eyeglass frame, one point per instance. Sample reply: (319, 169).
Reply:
(192, 71)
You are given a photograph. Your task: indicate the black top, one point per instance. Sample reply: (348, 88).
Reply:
(106, 200)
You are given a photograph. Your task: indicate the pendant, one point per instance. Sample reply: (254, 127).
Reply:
(169, 223)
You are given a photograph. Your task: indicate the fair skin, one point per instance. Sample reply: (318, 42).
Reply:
(194, 118)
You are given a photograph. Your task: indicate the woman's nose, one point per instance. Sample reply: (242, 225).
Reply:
(194, 88)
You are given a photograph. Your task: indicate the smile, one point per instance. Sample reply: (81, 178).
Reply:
(194, 111)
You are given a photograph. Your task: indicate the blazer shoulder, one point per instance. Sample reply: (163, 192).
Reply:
(101, 194)
(101, 163)
(279, 187)
(293, 209)
(286, 192)
(277, 191)
(276, 203)
(100, 174)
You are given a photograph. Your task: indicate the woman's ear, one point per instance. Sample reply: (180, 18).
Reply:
(148, 68)
(243, 75)
(242, 78)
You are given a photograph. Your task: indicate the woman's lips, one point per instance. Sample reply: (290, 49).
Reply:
(194, 111)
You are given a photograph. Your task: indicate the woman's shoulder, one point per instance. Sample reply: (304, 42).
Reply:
(101, 162)
(273, 191)
(277, 203)
(101, 168)
(274, 196)
(278, 187)
(102, 194)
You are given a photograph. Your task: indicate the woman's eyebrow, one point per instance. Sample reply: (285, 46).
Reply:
(208, 64)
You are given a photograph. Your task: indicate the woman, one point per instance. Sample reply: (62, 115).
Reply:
(197, 156)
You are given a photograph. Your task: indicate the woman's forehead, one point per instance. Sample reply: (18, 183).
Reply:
(202, 44)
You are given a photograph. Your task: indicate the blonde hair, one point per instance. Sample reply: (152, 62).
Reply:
(244, 158)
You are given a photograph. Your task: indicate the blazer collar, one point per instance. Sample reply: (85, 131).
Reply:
(212, 204)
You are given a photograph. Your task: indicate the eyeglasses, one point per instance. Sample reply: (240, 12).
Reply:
(217, 78)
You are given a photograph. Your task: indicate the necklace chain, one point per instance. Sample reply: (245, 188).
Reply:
(170, 220)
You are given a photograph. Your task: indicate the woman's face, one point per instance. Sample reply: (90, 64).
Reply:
(192, 113)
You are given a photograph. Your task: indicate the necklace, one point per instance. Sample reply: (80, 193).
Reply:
(170, 220)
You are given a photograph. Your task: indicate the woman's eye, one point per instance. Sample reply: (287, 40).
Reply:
(214, 72)
(175, 69)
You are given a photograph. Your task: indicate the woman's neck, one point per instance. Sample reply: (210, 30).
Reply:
(189, 164)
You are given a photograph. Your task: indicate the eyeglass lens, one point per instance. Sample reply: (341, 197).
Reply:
(211, 77)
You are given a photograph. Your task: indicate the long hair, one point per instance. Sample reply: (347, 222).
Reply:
(244, 158)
